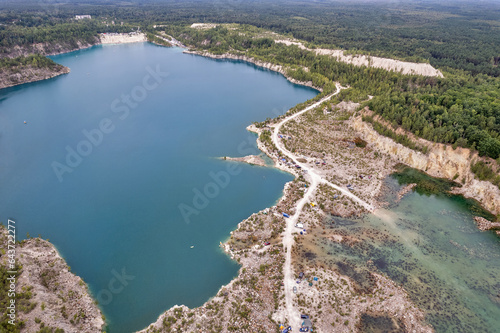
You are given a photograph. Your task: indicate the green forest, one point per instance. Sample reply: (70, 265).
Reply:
(34, 60)
(452, 34)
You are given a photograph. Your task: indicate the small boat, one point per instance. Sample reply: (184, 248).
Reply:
(25, 123)
(192, 246)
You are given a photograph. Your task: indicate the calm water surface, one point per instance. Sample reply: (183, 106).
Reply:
(117, 212)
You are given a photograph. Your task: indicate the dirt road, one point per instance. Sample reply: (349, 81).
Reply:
(314, 179)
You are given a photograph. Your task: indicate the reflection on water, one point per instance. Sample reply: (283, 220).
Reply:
(429, 244)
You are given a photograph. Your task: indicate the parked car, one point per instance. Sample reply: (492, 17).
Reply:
(295, 289)
(303, 316)
(267, 243)
(304, 329)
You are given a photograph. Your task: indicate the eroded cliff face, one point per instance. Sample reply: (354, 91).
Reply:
(13, 76)
(48, 48)
(440, 161)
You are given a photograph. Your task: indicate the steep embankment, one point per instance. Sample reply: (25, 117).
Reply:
(12, 76)
(114, 38)
(48, 48)
(440, 161)
(19, 74)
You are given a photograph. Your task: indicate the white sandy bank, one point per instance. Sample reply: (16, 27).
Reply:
(114, 38)
(377, 62)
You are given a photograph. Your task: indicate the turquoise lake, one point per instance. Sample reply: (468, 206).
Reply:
(114, 210)
(148, 124)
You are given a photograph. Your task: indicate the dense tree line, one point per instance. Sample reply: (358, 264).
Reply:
(460, 110)
(68, 33)
(399, 138)
(484, 171)
(33, 60)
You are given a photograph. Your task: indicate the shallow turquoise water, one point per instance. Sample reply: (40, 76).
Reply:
(115, 217)
(430, 245)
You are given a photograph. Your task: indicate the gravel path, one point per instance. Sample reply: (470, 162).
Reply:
(314, 179)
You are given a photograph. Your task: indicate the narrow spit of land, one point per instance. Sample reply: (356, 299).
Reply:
(314, 179)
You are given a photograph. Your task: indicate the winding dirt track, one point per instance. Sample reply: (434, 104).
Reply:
(314, 179)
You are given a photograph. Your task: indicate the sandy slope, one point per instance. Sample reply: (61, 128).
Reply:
(404, 67)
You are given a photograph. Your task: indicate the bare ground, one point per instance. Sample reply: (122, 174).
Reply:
(49, 294)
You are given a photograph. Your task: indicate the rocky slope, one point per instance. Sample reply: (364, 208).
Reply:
(18, 75)
(53, 296)
(440, 161)
(47, 48)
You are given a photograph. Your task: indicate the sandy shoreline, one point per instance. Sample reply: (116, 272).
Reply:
(250, 159)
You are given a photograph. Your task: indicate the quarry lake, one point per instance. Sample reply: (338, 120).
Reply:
(117, 166)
